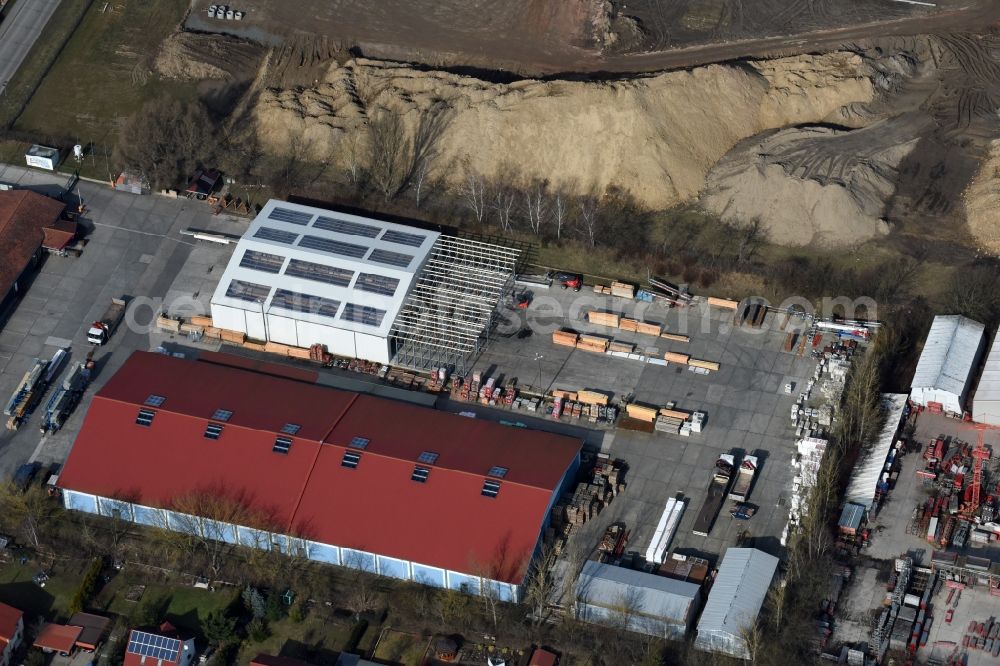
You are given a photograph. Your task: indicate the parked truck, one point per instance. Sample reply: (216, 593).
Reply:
(102, 330)
(27, 394)
(717, 489)
(65, 399)
(744, 479)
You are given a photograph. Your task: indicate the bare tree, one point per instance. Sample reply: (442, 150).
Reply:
(30, 510)
(503, 206)
(558, 212)
(541, 585)
(472, 191)
(387, 152)
(589, 219)
(536, 205)
(751, 236)
(353, 157)
(430, 125)
(753, 639)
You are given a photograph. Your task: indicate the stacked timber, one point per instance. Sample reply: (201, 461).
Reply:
(168, 324)
(592, 343)
(627, 324)
(565, 395)
(707, 365)
(674, 357)
(668, 423)
(641, 412)
(235, 337)
(201, 320)
(254, 346)
(603, 318)
(299, 353)
(213, 332)
(649, 328)
(564, 338)
(674, 414)
(600, 289)
(192, 328)
(592, 398)
(276, 348)
(723, 303)
(623, 289)
(675, 337)
(624, 347)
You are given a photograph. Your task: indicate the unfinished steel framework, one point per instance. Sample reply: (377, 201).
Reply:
(448, 316)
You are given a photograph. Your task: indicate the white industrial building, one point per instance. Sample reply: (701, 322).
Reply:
(364, 288)
(947, 363)
(986, 402)
(637, 601)
(736, 598)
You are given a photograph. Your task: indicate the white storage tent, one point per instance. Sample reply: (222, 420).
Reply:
(870, 468)
(986, 403)
(947, 363)
(737, 595)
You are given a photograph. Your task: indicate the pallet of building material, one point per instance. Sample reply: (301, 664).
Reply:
(592, 397)
(276, 348)
(192, 328)
(649, 328)
(664, 424)
(566, 395)
(603, 318)
(722, 303)
(592, 343)
(628, 324)
(564, 338)
(623, 289)
(707, 365)
(253, 346)
(201, 320)
(674, 357)
(212, 332)
(641, 412)
(236, 337)
(168, 324)
(628, 423)
(674, 413)
(298, 352)
(675, 337)
(623, 347)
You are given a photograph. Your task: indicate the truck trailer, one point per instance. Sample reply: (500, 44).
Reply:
(102, 330)
(744, 479)
(65, 399)
(717, 489)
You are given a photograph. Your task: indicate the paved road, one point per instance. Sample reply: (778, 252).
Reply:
(18, 33)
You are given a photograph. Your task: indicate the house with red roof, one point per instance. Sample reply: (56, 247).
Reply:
(339, 477)
(24, 215)
(163, 647)
(11, 632)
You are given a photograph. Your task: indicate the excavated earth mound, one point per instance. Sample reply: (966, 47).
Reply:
(199, 57)
(982, 202)
(655, 136)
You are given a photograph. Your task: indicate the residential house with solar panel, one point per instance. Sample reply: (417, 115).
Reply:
(364, 288)
(164, 647)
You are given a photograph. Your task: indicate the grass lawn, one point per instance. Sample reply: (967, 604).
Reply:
(103, 74)
(315, 638)
(50, 602)
(401, 648)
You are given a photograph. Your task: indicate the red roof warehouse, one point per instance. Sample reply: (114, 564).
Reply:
(359, 472)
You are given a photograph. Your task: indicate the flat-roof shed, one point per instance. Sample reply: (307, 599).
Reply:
(737, 595)
(947, 362)
(986, 402)
(870, 469)
(642, 602)
(59, 638)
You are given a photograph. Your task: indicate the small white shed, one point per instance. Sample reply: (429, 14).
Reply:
(944, 372)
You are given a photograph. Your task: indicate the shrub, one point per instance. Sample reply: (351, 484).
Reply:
(88, 587)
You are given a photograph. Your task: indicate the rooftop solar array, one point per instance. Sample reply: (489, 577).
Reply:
(498, 472)
(291, 428)
(402, 238)
(360, 314)
(390, 258)
(262, 261)
(276, 235)
(346, 227)
(376, 284)
(340, 277)
(297, 302)
(155, 400)
(151, 645)
(248, 291)
(428, 457)
(333, 246)
(290, 216)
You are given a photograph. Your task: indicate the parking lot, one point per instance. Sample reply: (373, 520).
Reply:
(134, 248)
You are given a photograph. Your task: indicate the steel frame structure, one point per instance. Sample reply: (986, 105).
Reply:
(452, 307)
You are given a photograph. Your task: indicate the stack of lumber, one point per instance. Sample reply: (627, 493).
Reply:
(213, 332)
(707, 365)
(625, 347)
(565, 395)
(276, 348)
(592, 343)
(649, 328)
(168, 324)
(638, 425)
(599, 289)
(200, 320)
(674, 413)
(581, 504)
(623, 289)
(603, 318)
(592, 397)
(627, 324)
(235, 337)
(192, 328)
(297, 352)
(254, 346)
(675, 337)
(641, 412)
(723, 303)
(564, 338)
(674, 357)
(668, 423)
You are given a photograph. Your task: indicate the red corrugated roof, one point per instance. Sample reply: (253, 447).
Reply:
(23, 214)
(444, 522)
(9, 617)
(59, 234)
(58, 637)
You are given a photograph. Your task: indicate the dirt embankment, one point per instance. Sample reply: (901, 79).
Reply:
(654, 136)
(982, 202)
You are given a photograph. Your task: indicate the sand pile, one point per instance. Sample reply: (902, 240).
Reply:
(982, 202)
(814, 184)
(654, 136)
(192, 56)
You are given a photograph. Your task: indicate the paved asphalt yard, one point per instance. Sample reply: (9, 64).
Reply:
(136, 249)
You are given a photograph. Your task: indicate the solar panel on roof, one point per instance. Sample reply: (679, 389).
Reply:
(498, 472)
(289, 215)
(340, 277)
(155, 646)
(388, 258)
(376, 284)
(296, 302)
(264, 262)
(290, 428)
(333, 246)
(401, 238)
(155, 400)
(360, 442)
(222, 415)
(362, 314)
(248, 291)
(346, 227)
(276, 235)
(428, 457)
